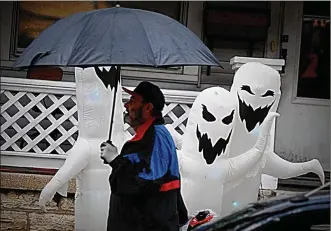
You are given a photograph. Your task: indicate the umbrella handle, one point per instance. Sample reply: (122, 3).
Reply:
(111, 143)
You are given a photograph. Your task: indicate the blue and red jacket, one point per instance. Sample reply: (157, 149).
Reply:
(145, 183)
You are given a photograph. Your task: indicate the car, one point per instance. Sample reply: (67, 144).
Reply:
(302, 212)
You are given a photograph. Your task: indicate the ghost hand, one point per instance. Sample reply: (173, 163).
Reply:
(264, 133)
(108, 152)
(315, 167)
(238, 166)
(48, 192)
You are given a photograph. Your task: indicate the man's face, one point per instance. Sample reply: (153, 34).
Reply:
(134, 111)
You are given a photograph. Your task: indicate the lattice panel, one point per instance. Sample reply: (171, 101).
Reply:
(47, 123)
(174, 113)
(38, 122)
(177, 115)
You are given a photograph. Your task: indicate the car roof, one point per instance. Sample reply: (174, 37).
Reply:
(263, 209)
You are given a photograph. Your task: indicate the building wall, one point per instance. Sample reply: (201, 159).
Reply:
(19, 204)
(302, 131)
(185, 80)
(190, 79)
(303, 128)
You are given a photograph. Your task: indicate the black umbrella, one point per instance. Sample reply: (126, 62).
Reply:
(116, 37)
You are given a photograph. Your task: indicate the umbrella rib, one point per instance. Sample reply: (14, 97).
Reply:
(74, 47)
(180, 50)
(112, 36)
(149, 44)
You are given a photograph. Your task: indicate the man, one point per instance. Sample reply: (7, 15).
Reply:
(145, 181)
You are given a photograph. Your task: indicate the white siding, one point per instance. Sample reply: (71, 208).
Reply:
(303, 129)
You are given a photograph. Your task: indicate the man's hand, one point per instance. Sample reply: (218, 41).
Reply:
(108, 152)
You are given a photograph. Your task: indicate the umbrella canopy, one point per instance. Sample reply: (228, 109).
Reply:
(117, 36)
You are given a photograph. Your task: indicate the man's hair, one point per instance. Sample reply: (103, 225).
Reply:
(158, 116)
(155, 112)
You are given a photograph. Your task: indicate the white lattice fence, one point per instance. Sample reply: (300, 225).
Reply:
(37, 121)
(40, 117)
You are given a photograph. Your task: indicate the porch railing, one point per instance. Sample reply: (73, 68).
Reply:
(39, 120)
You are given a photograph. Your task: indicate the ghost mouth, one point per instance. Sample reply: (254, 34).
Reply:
(251, 116)
(210, 152)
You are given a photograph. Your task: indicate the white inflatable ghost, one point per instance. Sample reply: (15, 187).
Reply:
(256, 88)
(206, 140)
(83, 161)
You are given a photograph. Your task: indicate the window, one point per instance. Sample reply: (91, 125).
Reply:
(314, 64)
(34, 17)
(233, 29)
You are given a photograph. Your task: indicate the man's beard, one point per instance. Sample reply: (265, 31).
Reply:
(137, 121)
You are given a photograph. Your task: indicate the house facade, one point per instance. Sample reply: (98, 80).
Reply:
(298, 32)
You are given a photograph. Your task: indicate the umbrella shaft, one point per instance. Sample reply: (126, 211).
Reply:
(117, 79)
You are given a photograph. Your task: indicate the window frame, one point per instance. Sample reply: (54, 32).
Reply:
(225, 76)
(15, 51)
(296, 99)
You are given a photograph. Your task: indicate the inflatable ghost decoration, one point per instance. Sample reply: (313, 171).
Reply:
(206, 141)
(256, 88)
(94, 102)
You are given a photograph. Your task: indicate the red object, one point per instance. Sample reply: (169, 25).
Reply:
(142, 130)
(169, 186)
(310, 71)
(131, 92)
(28, 170)
(45, 73)
(201, 218)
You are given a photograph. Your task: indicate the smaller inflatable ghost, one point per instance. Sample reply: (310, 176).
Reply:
(206, 140)
(94, 102)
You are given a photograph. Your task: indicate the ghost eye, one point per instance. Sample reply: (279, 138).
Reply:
(228, 119)
(247, 88)
(207, 115)
(268, 93)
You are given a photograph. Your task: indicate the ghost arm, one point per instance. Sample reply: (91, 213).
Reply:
(175, 136)
(239, 165)
(280, 168)
(77, 159)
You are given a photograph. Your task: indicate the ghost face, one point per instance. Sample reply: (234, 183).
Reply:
(213, 112)
(257, 88)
